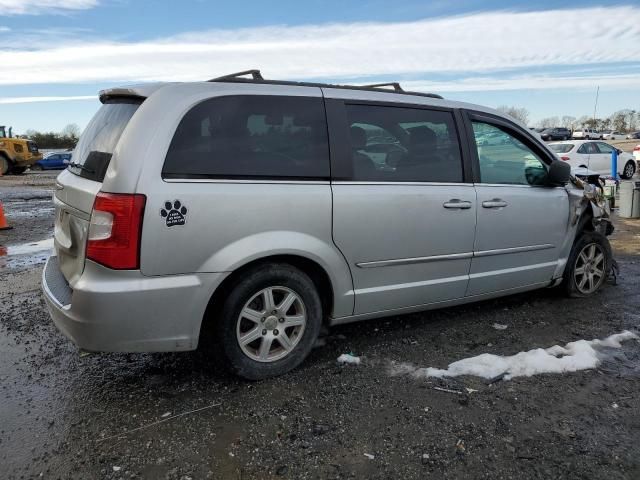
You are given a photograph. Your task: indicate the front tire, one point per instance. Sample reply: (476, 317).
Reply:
(629, 170)
(270, 322)
(588, 265)
(36, 168)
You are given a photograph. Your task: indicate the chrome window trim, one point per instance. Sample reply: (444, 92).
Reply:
(247, 181)
(434, 184)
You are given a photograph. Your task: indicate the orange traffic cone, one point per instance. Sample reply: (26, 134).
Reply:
(3, 221)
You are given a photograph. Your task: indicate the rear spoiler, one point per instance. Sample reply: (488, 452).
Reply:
(121, 94)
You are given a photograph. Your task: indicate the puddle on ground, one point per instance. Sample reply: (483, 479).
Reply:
(25, 254)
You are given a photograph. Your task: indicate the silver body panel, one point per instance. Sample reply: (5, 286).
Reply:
(386, 248)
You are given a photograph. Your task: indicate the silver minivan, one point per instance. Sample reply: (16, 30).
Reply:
(244, 214)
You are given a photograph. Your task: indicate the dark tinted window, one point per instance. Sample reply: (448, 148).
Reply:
(403, 144)
(251, 136)
(92, 155)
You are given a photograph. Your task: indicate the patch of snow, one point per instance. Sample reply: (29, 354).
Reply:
(117, 469)
(165, 415)
(499, 326)
(369, 456)
(574, 356)
(348, 358)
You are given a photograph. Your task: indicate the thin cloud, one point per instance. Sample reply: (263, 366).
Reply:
(15, 100)
(469, 46)
(39, 7)
(525, 82)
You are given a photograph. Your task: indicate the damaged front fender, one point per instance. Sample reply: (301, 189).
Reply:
(588, 204)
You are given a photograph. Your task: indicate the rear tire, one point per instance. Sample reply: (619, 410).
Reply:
(629, 170)
(588, 265)
(4, 165)
(269, 322)
(36, 168)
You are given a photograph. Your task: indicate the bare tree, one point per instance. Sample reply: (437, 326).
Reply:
(549, 122)
(568, 122)
(519, 113)
(72, 130)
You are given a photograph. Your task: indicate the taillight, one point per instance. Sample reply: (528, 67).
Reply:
(115, 229)
(565, 158)
(636, 148)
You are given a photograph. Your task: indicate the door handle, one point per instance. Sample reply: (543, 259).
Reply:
(456, 203)
(495, 203)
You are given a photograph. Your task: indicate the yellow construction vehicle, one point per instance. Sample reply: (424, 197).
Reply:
(16, 154)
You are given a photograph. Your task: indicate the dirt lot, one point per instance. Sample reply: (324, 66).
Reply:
(177, 416)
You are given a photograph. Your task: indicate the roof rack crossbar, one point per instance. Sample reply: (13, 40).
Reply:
(255, 74)
(396, 86)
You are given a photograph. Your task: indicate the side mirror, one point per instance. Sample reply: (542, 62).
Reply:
(558, 174)
(619, 151)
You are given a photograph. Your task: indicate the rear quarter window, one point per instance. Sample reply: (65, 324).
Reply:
(251, 136)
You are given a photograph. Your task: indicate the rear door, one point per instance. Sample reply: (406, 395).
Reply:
(601, 161)
(521, 224)
(404, 219)
(77, 187)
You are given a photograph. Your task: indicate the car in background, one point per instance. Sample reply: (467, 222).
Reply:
(586, 134)
(612, 135)
(555, 134)
(53, 161)
(633, 136)
(595, 156)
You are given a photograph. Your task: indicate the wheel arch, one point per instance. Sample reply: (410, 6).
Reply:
(318, 274)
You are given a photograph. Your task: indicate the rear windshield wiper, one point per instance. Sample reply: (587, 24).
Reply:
(81, 167)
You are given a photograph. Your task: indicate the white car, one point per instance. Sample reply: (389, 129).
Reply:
(586, 134)
(595, 156)
(612, 135)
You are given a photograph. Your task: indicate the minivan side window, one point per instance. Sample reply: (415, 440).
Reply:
(504, 159)
(398, 144)
(251, 136)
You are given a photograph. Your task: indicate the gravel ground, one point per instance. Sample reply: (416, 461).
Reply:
(177, 416)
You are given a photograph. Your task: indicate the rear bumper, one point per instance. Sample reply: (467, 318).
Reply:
(124, 311)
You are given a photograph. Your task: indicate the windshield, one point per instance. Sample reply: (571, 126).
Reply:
(92, 154)
(561, 147)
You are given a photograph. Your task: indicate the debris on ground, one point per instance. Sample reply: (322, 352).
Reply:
(499, 326)
(349, 358)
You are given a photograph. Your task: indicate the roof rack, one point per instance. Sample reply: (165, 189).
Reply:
(255, 74)
(256, 77)
(396, 86)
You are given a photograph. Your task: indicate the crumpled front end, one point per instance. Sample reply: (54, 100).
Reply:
(589, 197)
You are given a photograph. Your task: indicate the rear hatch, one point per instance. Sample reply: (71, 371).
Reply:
(77, 187)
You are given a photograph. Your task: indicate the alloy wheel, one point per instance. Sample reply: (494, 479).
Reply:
(629, 170)
(589, 272)
(271, 324)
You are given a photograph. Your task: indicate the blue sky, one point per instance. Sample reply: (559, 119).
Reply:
(521, 53)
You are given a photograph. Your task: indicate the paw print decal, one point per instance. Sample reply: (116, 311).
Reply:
(174, 213)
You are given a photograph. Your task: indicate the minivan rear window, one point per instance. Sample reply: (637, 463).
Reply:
(92, 155)
(251, 136)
